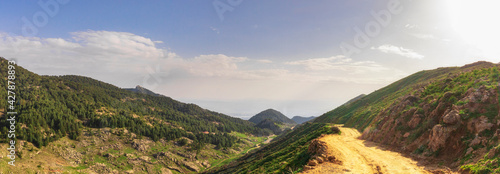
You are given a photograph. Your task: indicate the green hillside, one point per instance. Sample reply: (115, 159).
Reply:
(449, 115)
(288, 153)
(51, 108)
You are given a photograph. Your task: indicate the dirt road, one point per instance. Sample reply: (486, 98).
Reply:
(360, 157)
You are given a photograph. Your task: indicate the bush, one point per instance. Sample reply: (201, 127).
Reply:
(335, 130)
(183, 142)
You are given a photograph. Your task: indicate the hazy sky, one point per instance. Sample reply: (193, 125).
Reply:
(240, 57)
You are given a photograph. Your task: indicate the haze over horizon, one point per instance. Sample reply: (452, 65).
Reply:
(242, 57)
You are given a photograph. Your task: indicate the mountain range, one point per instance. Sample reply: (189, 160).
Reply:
(447, 119)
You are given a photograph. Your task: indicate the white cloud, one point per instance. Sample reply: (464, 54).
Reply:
(126, 60)
(213, 65)
(338, 63)
(399, 51)
(264, 61)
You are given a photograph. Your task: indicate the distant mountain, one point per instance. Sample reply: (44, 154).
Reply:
(271, 125)
(142, 90)
(300, 119)
(273, 115)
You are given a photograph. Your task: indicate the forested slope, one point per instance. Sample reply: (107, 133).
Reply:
(51, 107)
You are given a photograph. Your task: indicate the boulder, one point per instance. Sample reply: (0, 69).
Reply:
(438, 136)
(332, 158)
(319, 159)
(453, 117)
(312, 163)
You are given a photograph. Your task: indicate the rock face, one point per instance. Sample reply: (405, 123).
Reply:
(415, 120)
(480, 124)
(439, 136)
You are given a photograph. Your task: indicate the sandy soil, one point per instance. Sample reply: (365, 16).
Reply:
(359, 156)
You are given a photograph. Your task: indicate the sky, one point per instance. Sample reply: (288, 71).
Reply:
(240, 57)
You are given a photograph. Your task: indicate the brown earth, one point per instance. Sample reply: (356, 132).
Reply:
(354, 155)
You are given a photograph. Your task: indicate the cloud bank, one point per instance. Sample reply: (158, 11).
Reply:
(126, 59)
(387, 48)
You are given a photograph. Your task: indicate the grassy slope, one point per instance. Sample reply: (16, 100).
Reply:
(362, 112)
(288, 153)
(430, 86)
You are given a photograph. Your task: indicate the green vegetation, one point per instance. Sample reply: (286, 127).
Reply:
(483, 166)
(272, 115)
(454, 82)
(288, 152)
(425, 95)
(57, 106)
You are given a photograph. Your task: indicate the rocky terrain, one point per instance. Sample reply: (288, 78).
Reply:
(120, 151)
(451, 119)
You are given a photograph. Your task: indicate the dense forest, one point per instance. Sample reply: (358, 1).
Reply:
(51, 107)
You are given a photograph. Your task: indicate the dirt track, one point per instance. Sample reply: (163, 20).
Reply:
(360, 157)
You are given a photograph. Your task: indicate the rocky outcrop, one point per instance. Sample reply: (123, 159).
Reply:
(439, 135)
(415, 120)
(452, 117)
(319, 151)
(317, 147)
(102, 168)
(191, 166)
(480, 124)
(141, 144)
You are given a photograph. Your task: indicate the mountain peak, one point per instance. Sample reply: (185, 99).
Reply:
(271, 114)
(142, 90)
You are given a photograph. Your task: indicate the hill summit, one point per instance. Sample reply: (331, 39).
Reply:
(272, 115)
(142, 90)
